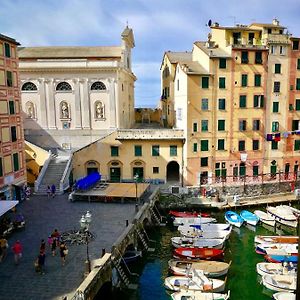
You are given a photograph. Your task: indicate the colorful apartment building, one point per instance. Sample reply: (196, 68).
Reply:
(236, 96)
(12, 158)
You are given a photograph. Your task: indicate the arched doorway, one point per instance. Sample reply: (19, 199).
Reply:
(173, 171)
(91, 167)
(115, 171)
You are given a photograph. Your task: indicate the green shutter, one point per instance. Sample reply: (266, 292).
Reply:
(297, 145)
(222, 63)
(204, 125)
(274, 145)
(195, 127)
(298, 63)
(244, 57)
(13, 132)
(155, 150)
(16, 161)
(255, 170)
(173, 150)
(205, 82)
(244, 80)
(275, 107)
(222, 83)
(242, 170)
(7, 49)
(195, 147)
(204, 161)
(204, 145)
(218, 173)
(9, 79)
(277, 68)
(221, 125)
(257, 80)
(221, 144)
(243, 100)
(222, 104)
(11, 107)
(297, 104)
(258, 57)
(298, 84)
(114, 151)
(138, 150)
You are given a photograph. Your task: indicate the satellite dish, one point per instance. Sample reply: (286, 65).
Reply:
(209, 23)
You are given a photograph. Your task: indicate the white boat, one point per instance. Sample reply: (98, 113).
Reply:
(198, 282)
(286, 239)
(280, 283)
(249, 217)
(193, 221)
(266, 268)
(210, 268)
(277, 249)
(283, 215)
(295, 211)
(196, 295)
(265, 217)
(189, 231)
(198, 242)
(284, 296)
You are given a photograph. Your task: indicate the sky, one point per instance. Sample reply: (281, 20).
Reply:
(158, 26)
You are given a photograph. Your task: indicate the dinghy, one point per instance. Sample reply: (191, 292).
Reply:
(198, 253)
(266, 268)
(288, 239)
(193, 221)
(186, 214)
(249, 217)
(284, 296)
(198, 282)
(210, 268)
(282, 258)
(234, 218)
(198, 242)
(283, 215)
(212, 226)
(280, 283)
(265, 218)
(276, 249)
(189, 231)
(197, 295)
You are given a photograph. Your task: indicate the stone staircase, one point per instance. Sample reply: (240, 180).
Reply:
(53, 175)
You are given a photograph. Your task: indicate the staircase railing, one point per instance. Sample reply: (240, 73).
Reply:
(42, 172)
(64, 182)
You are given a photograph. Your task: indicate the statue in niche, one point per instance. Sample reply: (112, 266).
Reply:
(99, 110)
(30, 110)
(64, 110)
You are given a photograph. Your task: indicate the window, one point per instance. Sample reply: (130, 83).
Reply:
(242, 169)
(195, 127)
(177, 84)
(297, 145)
(275, 107)
(13, 133)
(204, 161)
(205, 82)
(277, 68)
(257, 80)
(7, 50)
(297, 104)
(295, 125)
(173, 150)
(11, 107)
(276, 88)
(221, 144)
(204, 125)
(295, 45)
(258, 101)
(1, 167)
(242, 125)
(298, 63)
(63, 86)
(245, 57)
(297, 84)
(137, 150)
(274, 145)
(273, 49)
(275, 126)
(155, 150)
(222, 63)
(258, 57)
(256, 124)
(204, 104)
(250, 38)
(195, 147)
(155, 170)
(221, 125)
(269, 30)
(97, 86)
(9, 78)
(243, 101)
(29, 86)
(241, 145)
(244, 80)
(255, 144)
(255, 170)
(222, 104)
(179, 113)
(204, 145)
(282, 50)
(16, 161)
(222, 83)
(114, 151)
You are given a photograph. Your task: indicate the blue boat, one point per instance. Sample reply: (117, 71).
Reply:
(249, 217)
(234, 218)
(282, 258)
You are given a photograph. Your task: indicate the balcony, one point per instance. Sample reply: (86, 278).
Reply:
(277, 39)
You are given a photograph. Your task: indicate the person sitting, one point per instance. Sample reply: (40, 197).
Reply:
(19, 221)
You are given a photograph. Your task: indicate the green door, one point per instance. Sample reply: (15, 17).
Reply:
(140, 172)
(273, 170)
(115, 174)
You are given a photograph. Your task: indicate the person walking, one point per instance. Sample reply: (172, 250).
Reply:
(49, 191)
(43, 246)
(53, 190)
(41, 262)
(63, 252)
(17, 249)
(3, 248)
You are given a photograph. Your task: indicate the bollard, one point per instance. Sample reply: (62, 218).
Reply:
(127, 223)
(103, 252)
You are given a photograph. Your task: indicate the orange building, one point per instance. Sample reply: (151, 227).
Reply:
(12, 149)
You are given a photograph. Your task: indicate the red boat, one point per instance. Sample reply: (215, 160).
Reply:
(198, 253)
(186, 214)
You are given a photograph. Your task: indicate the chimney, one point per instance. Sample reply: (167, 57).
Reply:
(275, 22)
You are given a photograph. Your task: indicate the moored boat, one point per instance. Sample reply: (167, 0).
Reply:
(198, 253)
(276, 249)
(281, 283)
(193, 221)
(197, 295)
(264, 268)
(198, 242)
(284, 296)
(283, 215)
(189, 231)
(282, 258)
(132, 255)
(210, 268)
(265, 217)
(186, 214)
(288, 239)
(234, 218)
(249, 217)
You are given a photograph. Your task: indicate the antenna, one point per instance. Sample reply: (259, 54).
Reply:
(234, 19)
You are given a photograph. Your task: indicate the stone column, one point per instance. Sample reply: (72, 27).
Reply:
(77, 123)
(43, 118)
(85, 104)
(50, 104)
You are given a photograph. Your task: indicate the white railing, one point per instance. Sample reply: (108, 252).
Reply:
(42, 172)
(64, 182)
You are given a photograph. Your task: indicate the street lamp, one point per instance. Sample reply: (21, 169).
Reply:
(136, 177)
(85, 222)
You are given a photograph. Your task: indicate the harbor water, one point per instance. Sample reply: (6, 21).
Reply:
(242, 279)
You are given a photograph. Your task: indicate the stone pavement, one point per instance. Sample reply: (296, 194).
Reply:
(42, 216)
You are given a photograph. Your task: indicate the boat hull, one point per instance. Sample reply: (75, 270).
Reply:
(198, 253)
(234, 219)
(249, 217)
(280, 283)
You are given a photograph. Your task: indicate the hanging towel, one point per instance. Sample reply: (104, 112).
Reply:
(286, 134)
(269, 137)
(277, 137)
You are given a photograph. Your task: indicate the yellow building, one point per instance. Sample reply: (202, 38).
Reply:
(154, 155)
